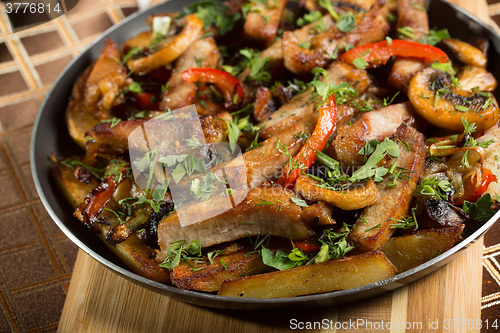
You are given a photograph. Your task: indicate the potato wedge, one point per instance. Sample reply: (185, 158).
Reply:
(332, 275)
(209, 277)
(132, 251)
(409, 251)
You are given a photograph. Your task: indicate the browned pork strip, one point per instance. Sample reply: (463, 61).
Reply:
(78, 120)
(262, 23)
(372, 125)
(373, 228)
(204, 276)
(266, 161)
(357, 5)
(274, 54)
(215, 127)
(411, 14)
(265, 210)
(111, 138)
(202, 53)
(373, 26)
(305, 103)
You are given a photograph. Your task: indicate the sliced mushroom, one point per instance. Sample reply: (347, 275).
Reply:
(438, 101)
(473, 77)
(439, 213)
(465, 52)
(361, 195)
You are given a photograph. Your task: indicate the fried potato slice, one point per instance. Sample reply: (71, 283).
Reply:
(136, 255)
(332, 275)
(409, 251)
(204, 276)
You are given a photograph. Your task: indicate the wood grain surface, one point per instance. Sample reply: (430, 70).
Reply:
(100, 301)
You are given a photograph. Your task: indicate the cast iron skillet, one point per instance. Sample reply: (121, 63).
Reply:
(50, 136)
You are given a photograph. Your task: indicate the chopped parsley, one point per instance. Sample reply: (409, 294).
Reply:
(73, 163)
(435, 36)
(300, 202)
(334, 245)
(346, 22)
(481, 210)
(213, 13)
(281, 260)
(178, 251)
(377, 151)
(436, 187)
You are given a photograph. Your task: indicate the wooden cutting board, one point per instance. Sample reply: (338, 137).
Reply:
(99, 300)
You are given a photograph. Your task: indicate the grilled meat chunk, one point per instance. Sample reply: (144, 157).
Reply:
(372, 125)
(266, 161)
(411, 14)
(178, 93)
(263, 19)
(371, 27)
(373, 228)
(208, 276)
(266, 210)
(305, 103)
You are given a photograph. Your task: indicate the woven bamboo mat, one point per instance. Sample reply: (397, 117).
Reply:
(36, 259)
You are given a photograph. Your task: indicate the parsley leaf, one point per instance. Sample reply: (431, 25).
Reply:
(299, 202)
(436, 187)
(346, 22)
(281, 260)
(213, 13)
(481, 210)
(177, 252)
(309, 18)
(135, 87)
(117, 170)
(370, 168)
(435, 36)
(334, 245)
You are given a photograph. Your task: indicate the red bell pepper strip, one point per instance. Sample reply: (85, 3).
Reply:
(317, 141)
(145, 100)
(306, 246)
(228, 84)
(379, 53)
(487, 177)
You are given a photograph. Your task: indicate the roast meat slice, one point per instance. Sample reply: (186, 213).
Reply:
(373, 228)
(265, 210)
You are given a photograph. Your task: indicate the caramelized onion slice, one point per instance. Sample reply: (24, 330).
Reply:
(360, 196)
(172, 51)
